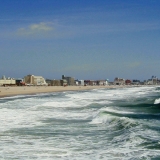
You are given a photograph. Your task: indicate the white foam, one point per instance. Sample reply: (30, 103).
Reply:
(157, 101)
(115, 110)
(82, 140)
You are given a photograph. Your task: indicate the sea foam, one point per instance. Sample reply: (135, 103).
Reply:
(157, 101)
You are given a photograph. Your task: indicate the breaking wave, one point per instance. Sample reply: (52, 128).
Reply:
(96, 124)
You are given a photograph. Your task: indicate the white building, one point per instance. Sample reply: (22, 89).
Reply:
(79, 82)
(7, 81)
(152, 81)
(102, 82)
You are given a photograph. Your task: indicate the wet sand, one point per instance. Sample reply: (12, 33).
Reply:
(23, 90)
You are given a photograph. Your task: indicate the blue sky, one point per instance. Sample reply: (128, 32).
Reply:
(84, 39)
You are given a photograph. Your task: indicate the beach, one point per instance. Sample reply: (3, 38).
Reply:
(23, 90)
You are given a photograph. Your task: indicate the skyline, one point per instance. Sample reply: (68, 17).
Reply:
(83, 39)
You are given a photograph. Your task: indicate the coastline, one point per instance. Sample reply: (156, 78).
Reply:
(29, 90)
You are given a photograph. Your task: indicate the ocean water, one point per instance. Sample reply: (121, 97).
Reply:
(109, 124)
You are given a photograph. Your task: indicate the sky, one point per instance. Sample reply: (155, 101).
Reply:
(85, 39)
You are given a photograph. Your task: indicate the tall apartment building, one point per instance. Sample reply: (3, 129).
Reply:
(70, 80)
(34, 80)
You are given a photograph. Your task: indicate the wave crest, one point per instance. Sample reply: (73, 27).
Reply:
(157, 101)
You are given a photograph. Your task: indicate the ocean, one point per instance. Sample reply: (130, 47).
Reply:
(107, 124)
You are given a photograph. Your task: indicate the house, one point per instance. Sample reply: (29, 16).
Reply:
(152, 81)
(128, 82)
(79, 82)
(56, 83)
(63, 82)
(86, 82)
(19, 82)
(119, 81)
(93, 83)
(136, 82)
(90, 82)
(102, 82)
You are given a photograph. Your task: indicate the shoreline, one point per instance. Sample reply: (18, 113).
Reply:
(31, 90)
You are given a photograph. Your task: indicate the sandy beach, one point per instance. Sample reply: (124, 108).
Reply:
(22, 90)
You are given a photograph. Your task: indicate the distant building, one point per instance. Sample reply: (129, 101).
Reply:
(79, 82)
(34, 80)
(86, 82)
(93, 82)
(70, 80)
(19, 82)
(152, 81)
(76, 82)
(155, 80)
(63, 82)
(90, 82)
(48, 81)
(136, 82)
(7, 81)
(102, 82)
(149, 82)
(119, 81)
(158, 81)
(56, 83)
(128, 82)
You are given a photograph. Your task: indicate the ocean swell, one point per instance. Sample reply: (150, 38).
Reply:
(97, 124)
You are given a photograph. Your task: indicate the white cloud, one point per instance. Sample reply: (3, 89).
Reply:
(40, 27)
(36, 29)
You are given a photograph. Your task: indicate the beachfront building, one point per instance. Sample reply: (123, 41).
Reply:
(7, 81)
(79, 82)
(90, 82)
(70, 80)
(34, 80)
(149, 82)
(158, 81)
(136, 82)
(56, 82)
(86, 82)
(152, 81)
(48, 81)
(19, 82)
(119, 81)
(63, 82)
(102, 82)
(76, 82)
(128, 82)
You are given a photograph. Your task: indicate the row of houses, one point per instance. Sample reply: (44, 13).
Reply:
(72, 82)
(120, 81)
(32, 80)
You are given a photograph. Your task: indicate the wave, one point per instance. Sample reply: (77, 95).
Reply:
(157, 101)
(114, 119)
(117, 119)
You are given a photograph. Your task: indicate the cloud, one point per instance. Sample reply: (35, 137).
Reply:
(40, 27)
(36, 29)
